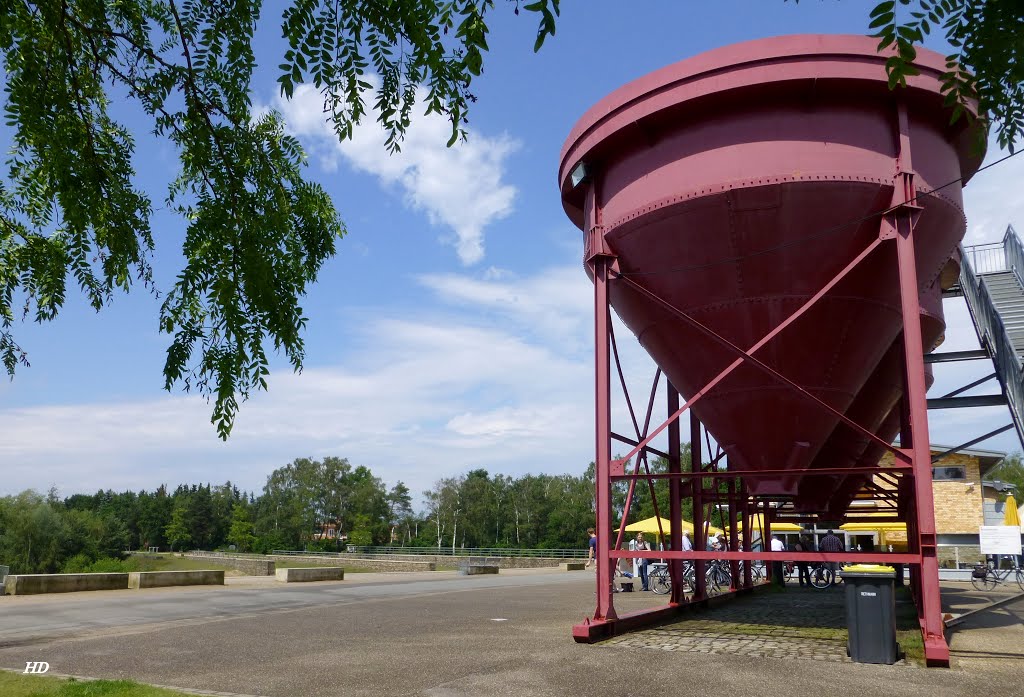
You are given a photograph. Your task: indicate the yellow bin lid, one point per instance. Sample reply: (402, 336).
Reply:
(869, 569)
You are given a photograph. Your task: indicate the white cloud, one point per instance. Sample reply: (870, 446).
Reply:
(461, 187)
(992, 200)
(556, 303)
(418, 398)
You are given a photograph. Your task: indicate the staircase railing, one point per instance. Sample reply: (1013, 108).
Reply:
(986, 258)
(989, 324)
(1013, 252)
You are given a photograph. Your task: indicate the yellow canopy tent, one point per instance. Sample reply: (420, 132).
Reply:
(888, 533)
(867, 526)
(757, 525)
(1011, 516)
(650, 525)
(874, 527)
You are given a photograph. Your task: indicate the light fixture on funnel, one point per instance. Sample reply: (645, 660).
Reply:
(580, 173)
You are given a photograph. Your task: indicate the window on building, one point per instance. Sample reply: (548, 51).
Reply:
(949, 473)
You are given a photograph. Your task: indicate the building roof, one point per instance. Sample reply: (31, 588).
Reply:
(999, 485)
(987, 459)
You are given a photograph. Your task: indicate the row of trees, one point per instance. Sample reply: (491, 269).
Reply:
(300, 501)
(41, 534)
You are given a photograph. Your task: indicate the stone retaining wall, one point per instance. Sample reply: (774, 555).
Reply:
(249, 565)
(260, 565)
(449, 560)
(374, 564)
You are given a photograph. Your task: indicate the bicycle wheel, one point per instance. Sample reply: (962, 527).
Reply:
(757, 573)
(689, 580)
(659, 581)
(713, 579)
(987, 582)
(822, 577)
(723, 579)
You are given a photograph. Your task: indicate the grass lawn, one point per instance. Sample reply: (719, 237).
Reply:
(167, 562)
(908, 630)
(18, 685)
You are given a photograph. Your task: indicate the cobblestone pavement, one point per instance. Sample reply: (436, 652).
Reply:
(798, 623)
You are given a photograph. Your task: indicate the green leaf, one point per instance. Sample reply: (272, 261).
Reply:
(883, 8)
(881, 21)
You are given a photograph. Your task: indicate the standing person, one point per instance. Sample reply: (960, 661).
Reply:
(804, 544)
(642, 545)
(831, 543)
(778, 574)
(592, 547)
(687, 545)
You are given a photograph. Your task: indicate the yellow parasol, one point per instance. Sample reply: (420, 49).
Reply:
(1011, 516)
(650, 525)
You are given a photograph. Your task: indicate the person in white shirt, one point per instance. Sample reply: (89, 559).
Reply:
(642, 545)
(687, 545)
(778, 575)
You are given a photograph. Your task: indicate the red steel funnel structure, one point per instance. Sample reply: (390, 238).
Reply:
(764, 217)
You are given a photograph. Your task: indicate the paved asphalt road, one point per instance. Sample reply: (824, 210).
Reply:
(436, 635)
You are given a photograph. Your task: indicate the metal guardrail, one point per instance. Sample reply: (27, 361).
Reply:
(1013, 252)
(448, 552)
(992, 330)
(986, 258)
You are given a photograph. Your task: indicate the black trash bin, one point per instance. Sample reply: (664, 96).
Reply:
(871, 613)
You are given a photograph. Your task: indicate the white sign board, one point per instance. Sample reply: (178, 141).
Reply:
(1000, 539)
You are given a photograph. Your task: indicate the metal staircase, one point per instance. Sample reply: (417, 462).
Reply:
(990, 280)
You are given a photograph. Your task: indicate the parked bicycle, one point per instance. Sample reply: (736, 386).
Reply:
(658, 577)
(823, 575)
(986, 577)
(717, 577)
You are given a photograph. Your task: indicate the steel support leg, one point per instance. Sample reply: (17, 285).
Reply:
(675, 511)
(748, 534)
(603, 445)
(734, 541)
(902, 220)
(699, 538)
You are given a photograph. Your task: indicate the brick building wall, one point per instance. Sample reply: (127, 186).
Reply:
(958, 502)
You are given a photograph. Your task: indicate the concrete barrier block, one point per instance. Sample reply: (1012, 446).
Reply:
(164, 579)
(478, 569)
(320, 573)
(573, 565)
(34, 584)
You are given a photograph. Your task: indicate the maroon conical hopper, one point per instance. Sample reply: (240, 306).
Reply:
(735, 185)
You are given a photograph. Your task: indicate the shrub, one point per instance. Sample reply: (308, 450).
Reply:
(77, 564)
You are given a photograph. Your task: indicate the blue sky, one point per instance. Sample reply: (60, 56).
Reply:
(453, 329)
